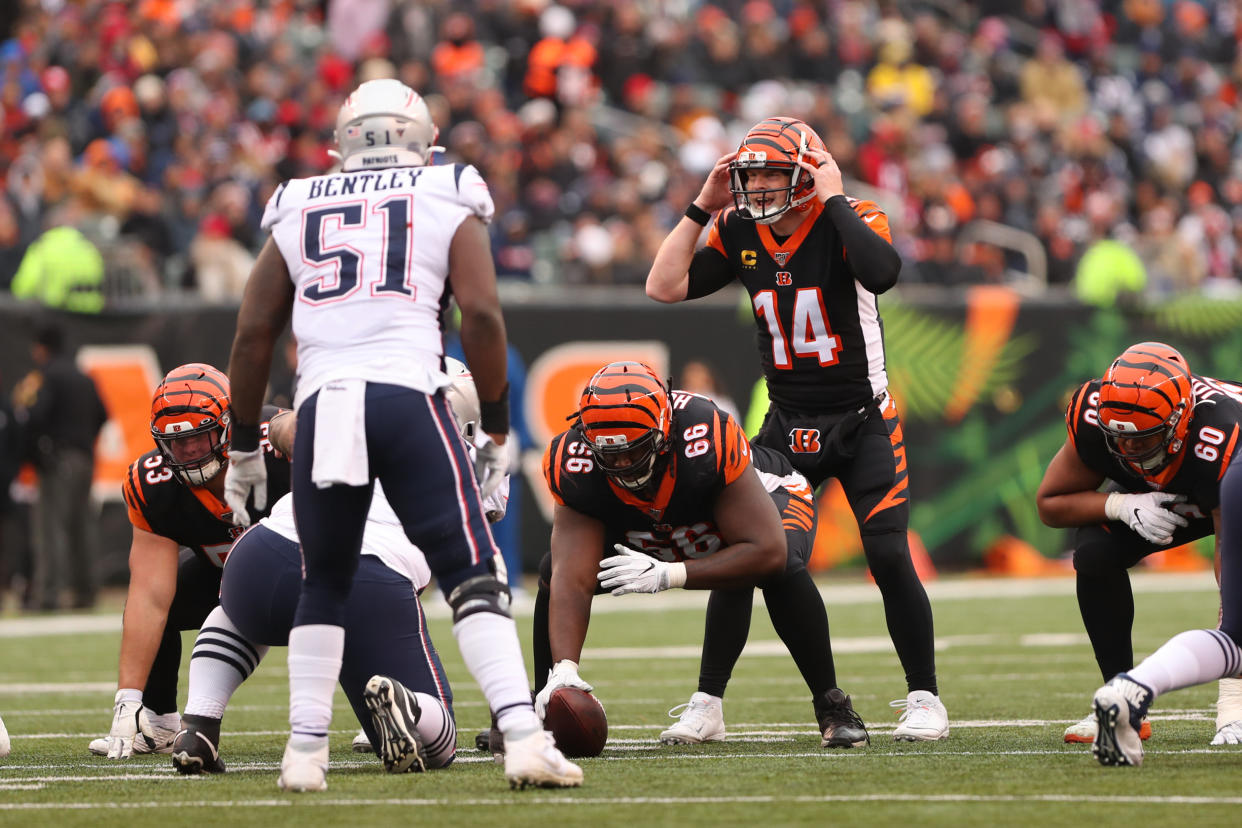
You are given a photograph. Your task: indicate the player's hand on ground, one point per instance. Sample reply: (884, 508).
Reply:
(563, 674)
(119, 743)
(1149, 514)
(632, 571)
(246, 473)
(715, 194)
(823, 169)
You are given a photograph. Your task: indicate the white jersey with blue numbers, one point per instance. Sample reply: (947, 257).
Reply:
(368, 255)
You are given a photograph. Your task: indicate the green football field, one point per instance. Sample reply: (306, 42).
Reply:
(1014, 664)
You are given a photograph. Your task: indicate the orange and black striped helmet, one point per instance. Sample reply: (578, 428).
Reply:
(192, 400)
(625, 419)
(777, 143)
(1146, 399)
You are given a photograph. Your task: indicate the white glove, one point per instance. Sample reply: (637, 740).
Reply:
(632, 571)
(1230, 734)
(1147, 514)
(119, 743)
(246, 472)
(491, 466)
(563, 674)
(494, 507)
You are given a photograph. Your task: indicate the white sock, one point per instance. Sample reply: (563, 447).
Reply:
(489, 645)
(437, 730)
(1229, 702)
(1189, 658)
(222, 659)
(315, 652)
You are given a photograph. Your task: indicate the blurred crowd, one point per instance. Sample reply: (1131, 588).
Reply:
(153, 131)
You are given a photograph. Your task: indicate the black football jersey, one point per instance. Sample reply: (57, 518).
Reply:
(821, 339)
(1196, 470)
(708, 451)
(191, 515)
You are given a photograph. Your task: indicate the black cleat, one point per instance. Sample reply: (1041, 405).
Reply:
(491, 741)
(196, 748)
(395, 713)
(839, 725)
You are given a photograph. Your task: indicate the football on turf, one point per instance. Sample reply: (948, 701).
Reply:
(577, 721)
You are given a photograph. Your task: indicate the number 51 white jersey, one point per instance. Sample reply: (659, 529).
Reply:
(368, 255)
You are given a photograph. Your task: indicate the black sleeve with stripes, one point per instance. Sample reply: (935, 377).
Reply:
(709, 272)
(874, 262)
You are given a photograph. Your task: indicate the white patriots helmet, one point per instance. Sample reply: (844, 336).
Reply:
(384, 123)
(463, 398)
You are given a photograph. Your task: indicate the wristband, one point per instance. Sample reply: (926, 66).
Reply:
(494, 415)
(243, 437)
(698, 215)
(677, 575)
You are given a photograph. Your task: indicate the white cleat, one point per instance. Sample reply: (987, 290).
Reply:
(361, 743)
(535, 761)
(701, 720)
(1120, 707)
(1229, 734)
(923, 719)
(5, 744)
(1083, 731)
(156, 734)
(304, 768)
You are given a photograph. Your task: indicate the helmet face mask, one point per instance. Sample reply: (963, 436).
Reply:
(190, 422)
(384, 123)
(625, 419)
(777, 144)
(1144, 409)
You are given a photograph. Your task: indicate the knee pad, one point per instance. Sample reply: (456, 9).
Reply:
(482, 593)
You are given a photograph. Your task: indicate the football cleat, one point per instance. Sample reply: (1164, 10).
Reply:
(196, 749)
(535, 761)
(923, 719)
(394, 715)
(1120, 707)
(701, 720)
(1083, 732)
(5, 744)
(839, 725)
(491, 741)
(362, 743)
(304, 768)
(1230, 734)
(155, 734)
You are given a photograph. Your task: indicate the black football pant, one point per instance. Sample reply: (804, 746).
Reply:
(198, 593)
(866, 452)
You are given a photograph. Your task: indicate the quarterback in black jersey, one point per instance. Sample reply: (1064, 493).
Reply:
(814, 262)
(1140, 471)
(669, 482)
(182, 533)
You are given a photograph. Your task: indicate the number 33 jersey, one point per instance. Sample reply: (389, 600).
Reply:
(1196, 470)
(707, 451)
(160, 503)
(368, 254)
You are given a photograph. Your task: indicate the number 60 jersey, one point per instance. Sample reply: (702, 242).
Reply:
(1196, 470)
(707, 451)
(368, 254)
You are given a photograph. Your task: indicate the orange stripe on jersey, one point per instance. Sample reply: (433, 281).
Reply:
(1227, 455)
(790, 245)
(736, 450)
(133, 502)
(213, 504)
(896, 495)
(714, 241)
(1074, 412)
(552, 468)
(873, 217)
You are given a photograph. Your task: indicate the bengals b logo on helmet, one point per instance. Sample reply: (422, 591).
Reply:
(804, 440)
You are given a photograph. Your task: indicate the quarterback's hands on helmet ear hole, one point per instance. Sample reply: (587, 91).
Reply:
(824, 172)
(715, 194)
(1149, 514)
(246, 473)
(632, 571)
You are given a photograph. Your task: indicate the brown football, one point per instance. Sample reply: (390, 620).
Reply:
(577, 721)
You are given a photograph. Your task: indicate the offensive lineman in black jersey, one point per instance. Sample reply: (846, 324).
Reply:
(1161, 439)
(175, 495)
(814, 262)
(667, 480)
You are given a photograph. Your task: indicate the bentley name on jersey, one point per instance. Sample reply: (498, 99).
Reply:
(158, 502)
(707, 451)
(1195, 471)
(820, 334)
(368, 255)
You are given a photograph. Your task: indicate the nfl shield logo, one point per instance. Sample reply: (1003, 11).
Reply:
(781, 258)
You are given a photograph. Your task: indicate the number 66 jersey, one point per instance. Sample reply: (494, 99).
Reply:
(1196, 469)
(707, 451)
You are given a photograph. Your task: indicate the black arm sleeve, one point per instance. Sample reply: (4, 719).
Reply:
(874, 262)
(709, 272)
